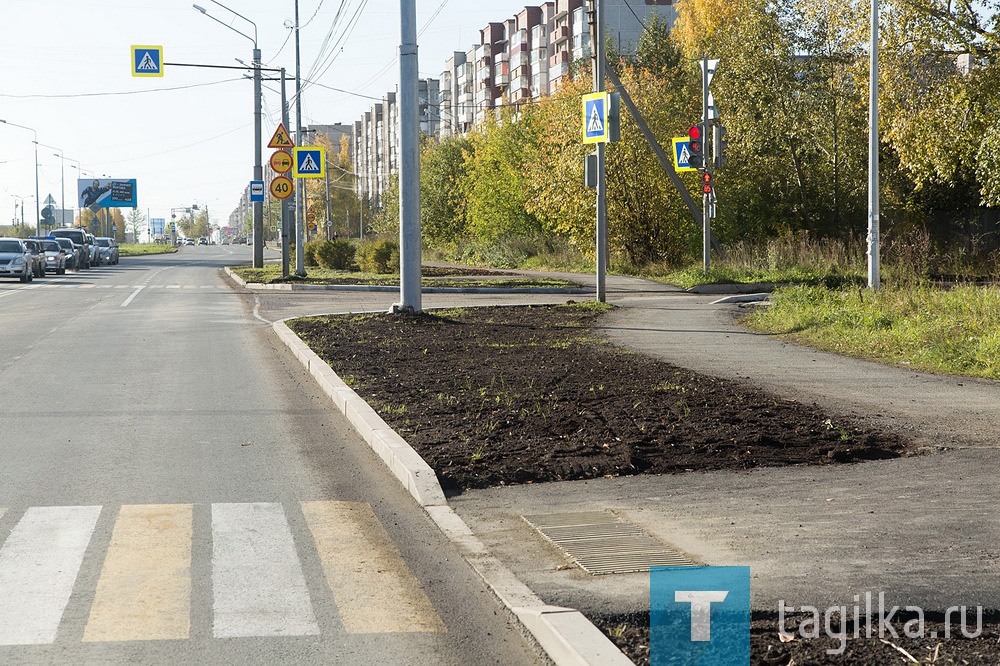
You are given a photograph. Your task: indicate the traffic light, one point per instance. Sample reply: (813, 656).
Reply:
(719, 145)
(696, 147)
(706, 183)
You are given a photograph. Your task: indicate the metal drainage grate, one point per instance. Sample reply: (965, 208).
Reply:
(600, 543)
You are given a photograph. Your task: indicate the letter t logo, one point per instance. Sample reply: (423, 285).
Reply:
(701, 610)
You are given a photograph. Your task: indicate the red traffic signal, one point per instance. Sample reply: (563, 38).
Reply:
(696, 149)
(706, 183)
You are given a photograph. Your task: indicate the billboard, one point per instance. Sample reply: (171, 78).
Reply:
(95, 193)
(157, 226)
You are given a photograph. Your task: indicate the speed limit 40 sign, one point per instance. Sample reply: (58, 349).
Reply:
(281, 187)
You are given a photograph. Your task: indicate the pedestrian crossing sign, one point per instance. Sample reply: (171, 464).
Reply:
(595, 118)
(309, 162)
(682, 154)
(147, 61)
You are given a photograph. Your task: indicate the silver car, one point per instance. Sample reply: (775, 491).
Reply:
(55, 257)
(15, 260)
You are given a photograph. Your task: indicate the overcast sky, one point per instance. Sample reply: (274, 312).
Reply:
(65, 71)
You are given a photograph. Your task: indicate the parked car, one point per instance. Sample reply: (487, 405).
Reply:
(73, 253)
(80, 239)
(15, 260)
(95, 251)
(55, 256)
(108, 248)
(34, 248)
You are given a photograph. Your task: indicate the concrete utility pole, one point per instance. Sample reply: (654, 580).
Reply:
(873, 169)
(597, 34)
(300, 255)
(258, 169)
(409, 166)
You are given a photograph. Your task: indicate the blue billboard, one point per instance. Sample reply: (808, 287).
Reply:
(96, 193)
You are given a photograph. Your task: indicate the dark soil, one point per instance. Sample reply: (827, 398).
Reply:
(528, 394)
(503, 395)
(631, 634)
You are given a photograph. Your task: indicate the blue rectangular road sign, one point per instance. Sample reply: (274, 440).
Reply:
(256, 190)
(147, 61)
(682, 155)
(309, 162)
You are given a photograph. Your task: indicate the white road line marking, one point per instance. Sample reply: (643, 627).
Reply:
(257, 581)
(134, 294)
(256, 310)
(38, 568)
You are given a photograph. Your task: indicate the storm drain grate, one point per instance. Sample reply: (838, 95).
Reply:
(600, 543)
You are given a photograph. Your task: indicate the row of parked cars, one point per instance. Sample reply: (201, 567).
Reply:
(70, 248)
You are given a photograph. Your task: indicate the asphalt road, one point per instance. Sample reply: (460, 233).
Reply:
(175, 489)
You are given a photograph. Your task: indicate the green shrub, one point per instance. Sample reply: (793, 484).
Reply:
(336, 254)
(310, 257)
(379, 256)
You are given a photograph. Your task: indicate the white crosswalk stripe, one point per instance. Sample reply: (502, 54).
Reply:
(258, 586)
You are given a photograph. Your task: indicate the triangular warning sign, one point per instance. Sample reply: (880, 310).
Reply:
(280, 138)
(685, 156)
(147, 63)
(595, 125)
(308, 165)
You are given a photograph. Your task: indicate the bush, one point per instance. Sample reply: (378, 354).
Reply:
(380, 256)
(310, 258)
(335, 254)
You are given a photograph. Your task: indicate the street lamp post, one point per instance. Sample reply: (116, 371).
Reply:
(258, 168)
(62, 176)
(80, 171)
(38, 214)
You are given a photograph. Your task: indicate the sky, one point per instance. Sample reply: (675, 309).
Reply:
(187, 138)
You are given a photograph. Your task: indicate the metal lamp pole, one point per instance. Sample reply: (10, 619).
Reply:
(873, 167)
(258, 169)
(38, 213)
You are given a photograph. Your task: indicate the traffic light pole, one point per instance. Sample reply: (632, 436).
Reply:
(706, 196)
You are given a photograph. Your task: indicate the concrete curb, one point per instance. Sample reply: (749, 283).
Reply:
(565, 634)
(259, 286)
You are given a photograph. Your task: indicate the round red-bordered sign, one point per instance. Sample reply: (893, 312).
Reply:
(282, 187)
(281, 161)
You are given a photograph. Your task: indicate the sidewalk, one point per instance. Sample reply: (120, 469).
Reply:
(922, 529)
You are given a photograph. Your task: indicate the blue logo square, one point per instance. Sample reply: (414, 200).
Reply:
(699, 616)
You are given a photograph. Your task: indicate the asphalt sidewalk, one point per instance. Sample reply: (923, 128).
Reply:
(924, 530)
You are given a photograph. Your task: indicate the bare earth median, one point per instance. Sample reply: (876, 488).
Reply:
(528, 394)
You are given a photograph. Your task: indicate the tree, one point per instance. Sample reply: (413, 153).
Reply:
(442, 204)
(135, 223)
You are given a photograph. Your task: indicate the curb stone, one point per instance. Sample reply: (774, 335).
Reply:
(565, 634)
(259, 286)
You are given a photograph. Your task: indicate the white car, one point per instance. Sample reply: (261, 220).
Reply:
(15, 260)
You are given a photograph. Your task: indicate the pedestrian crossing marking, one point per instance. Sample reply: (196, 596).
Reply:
(144, 589)
(39, 563)
(374, 589)
(144, 592)
(258, 585)
(308, 165)
(309, 162)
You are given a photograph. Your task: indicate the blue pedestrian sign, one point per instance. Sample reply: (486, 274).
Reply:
(147, 61)
(256, 191)
(595, 118)
(682, 155)
(309, 162)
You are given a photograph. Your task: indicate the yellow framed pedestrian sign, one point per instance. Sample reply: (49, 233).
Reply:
(595, 118)
(147, 61)
(309, 162)
(681, 154)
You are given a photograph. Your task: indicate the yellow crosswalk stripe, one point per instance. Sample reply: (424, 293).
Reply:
(374, 590)
(144, 592)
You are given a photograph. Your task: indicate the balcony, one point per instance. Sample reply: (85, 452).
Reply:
(559, 58)
(560, 34)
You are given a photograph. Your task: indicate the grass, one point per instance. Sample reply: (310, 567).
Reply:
(953, 331)
(138, 249)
